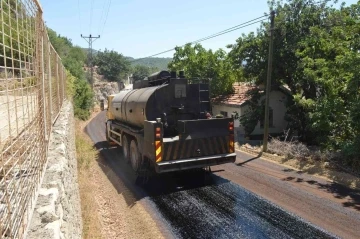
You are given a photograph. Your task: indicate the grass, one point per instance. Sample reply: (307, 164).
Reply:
(86, 156)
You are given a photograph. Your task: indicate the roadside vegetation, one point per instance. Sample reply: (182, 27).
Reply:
(316, 55)
(78, 87)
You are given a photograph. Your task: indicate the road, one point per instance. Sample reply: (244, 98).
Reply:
(251, 198)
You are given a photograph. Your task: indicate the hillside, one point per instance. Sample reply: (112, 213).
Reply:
(158, 62)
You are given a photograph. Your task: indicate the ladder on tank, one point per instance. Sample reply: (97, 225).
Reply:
(204, 98)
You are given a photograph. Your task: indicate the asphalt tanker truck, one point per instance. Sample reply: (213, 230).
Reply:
(165, 123)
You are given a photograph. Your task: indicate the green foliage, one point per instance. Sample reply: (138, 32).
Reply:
(77, 87)
(153, 62)
(254, 112)
(197, 62)
(316, 53)
(70, 85)
(112, 65)
(140, 72)
(83, 96)
(17, 39)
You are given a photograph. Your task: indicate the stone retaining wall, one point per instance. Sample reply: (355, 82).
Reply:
(57, 213)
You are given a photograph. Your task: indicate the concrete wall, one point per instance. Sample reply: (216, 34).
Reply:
(278, 105)
(57, 213)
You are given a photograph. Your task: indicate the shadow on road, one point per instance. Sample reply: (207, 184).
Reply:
(249, 160)
(339, 191)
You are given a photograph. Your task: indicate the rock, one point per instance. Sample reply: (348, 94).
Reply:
(48, 217)
(326, 164)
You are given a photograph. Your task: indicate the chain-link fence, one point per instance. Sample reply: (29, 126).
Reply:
(32, 90)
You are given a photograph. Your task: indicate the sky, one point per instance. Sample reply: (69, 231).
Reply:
(139, 28)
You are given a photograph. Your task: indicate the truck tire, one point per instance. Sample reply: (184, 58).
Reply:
(134, 156)
(107, 126)
(125, 147)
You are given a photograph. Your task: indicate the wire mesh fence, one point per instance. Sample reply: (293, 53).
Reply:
(32, 90)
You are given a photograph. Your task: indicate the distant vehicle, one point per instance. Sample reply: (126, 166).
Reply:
(163, 125)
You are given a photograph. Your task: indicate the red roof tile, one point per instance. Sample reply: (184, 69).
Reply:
(239, 96)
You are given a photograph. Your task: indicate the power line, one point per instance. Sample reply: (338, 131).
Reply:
(231, 28)
(107, 13)
(91, 13)
(234, 28)
(79, 15)
(102, 15)
(237, 27)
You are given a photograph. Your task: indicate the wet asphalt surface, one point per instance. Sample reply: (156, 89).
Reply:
(198, 204)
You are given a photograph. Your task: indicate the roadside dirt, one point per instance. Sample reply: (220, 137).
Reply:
(109, 207)
(316, 168)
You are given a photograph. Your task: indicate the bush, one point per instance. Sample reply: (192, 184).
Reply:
(83, 99)
(81, 94)
(81, 114)
(70, 85)
(351, 152)
(290, 150)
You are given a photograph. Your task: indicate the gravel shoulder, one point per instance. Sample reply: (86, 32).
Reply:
(116, 210)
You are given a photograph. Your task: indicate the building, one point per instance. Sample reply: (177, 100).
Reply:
(238, 101)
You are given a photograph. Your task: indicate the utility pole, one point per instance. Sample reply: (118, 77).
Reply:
(90, 41)
(268, 82)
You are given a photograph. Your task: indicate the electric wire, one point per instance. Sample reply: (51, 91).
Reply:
(79, 15)
(248, 23)
(234, 28)
(91, 13)
(102, 14)
(107, 13)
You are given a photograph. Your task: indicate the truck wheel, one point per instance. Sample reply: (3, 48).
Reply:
(134, 156)
(125, 147)
(106, 132)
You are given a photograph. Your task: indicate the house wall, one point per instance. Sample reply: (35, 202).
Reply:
(217, 108)
(277, 104)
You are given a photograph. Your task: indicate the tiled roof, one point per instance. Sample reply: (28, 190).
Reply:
(239, 96)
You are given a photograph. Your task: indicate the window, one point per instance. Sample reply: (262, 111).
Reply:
(271, 119)
(224, 113)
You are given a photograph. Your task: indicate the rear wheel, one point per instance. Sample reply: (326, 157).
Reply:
(134, 156)
(107, 127)
(125, 147)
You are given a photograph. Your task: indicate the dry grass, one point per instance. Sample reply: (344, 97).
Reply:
(86, 156)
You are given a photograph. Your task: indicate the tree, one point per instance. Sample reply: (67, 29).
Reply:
(254, 112)
(112, 65)
(140, 72)
(73, 58)
(200, 63)
(316, 51)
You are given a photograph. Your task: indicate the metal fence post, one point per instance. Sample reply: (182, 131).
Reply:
(43, 82)
(50, 86)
